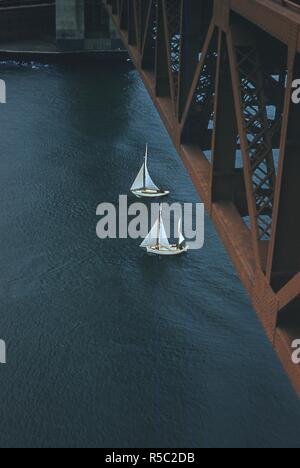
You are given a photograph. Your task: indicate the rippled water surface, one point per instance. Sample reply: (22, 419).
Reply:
(107, 347)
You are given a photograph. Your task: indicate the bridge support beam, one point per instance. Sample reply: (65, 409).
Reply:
(70, 24)
(84, 25)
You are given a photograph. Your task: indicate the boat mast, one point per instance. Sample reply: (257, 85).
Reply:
(158, 227)
(145, 166)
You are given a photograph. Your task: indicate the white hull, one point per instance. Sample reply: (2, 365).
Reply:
(174, 250)
(149, 193)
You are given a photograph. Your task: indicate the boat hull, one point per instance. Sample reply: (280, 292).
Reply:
(173, 251)
(149, 194)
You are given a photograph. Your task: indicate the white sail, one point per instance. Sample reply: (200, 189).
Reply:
(139, 181)
(144, 180)
(152, 238)
(150, 185)
(163, 238)
(180, 235)
(157, 236)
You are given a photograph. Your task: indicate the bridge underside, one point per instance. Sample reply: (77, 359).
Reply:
(220, 74)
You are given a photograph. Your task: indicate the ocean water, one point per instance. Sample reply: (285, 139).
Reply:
(107, 347)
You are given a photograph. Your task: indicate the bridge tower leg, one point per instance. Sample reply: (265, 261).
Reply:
(84, 25)
(70, 24)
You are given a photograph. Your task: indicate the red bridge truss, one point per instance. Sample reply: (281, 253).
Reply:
(220, 74)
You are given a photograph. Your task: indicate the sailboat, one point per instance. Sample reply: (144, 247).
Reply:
(157, 242)
(143, 186)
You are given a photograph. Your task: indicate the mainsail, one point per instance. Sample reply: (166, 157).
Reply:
(143, 180)
(152, 238)
(157, 236)
(149, 184)
(163, 238)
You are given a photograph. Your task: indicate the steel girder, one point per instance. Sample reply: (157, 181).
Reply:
(220, 74)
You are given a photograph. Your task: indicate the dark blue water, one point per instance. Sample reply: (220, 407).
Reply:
(107, 347)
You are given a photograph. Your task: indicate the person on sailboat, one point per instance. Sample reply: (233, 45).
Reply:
(143, 186)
